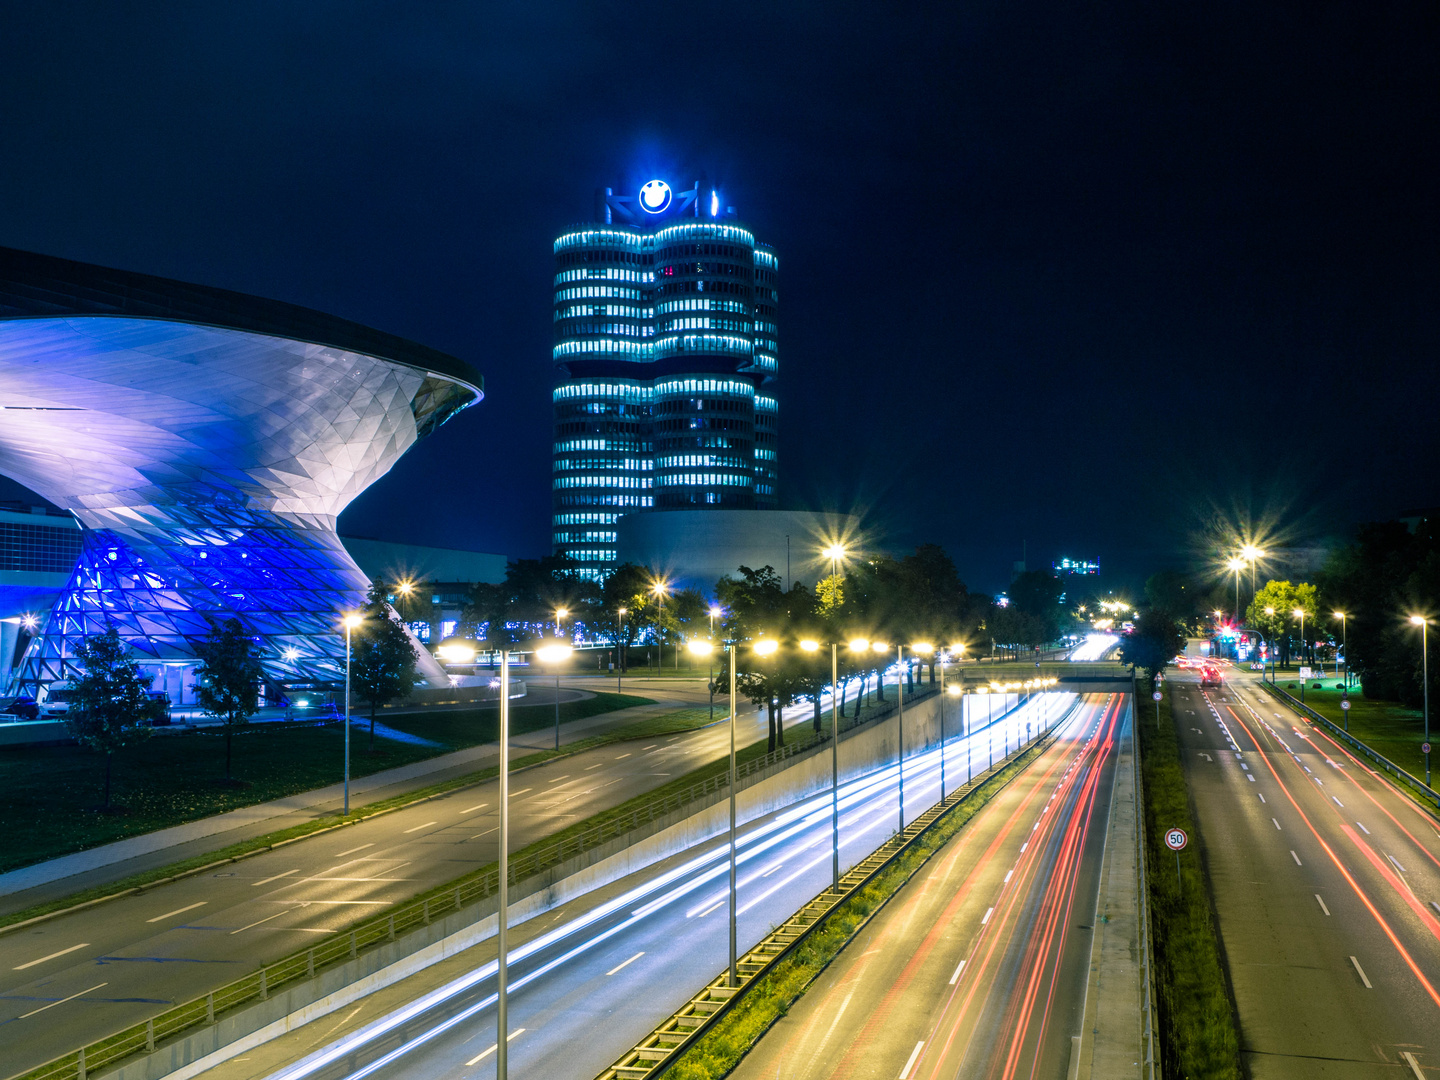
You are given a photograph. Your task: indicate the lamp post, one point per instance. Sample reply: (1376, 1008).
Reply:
(1270, 613)
(1299, 613)
(351, 622)
(659, 589)
(503, 915)
(709, 666)
(1236, 565)
(1345, 648)
(620, 653)
(1424, 624)
(555, 654)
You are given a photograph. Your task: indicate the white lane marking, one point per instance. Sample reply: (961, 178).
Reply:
(516, 794)
(956, 977)
(1024, 846)
(1363, 829)
(1249, 777)
(772, 870)
(177, 911)
(486, 1053)
(1277, 825)
(62, 1001)
(1338, 803)
(264, 920)
(597, 765)
(986, 919)
(709, 909)
(1322, 904)
(910, 1064)
(352, 851)
(1361, 972)
(839, 1013)
(622, 757)
(277, 877)
(558, 779)
(1396, 862)
(1295, 857)
(1414, 1065)
(1007, 877)
(627, 963)
(1262, 796)
(417, 828)
(52, 956)
(472, 809)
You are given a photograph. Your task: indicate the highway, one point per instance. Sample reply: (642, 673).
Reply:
(84, 975)
(977, 968)
(1327, 888)
(591, 981)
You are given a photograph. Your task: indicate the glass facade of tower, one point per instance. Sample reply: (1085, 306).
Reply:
(666, 345)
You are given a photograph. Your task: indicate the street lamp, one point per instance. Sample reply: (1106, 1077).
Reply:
(1270, 613)
(884, 648)
(1424, 624)
(659, 589)
(620, 653)
(1235, 566)
(503, 914)
(1299, 613)
(715, 612)
(1345, 648)
(560, 613)
(351, 622)
(1250, 553)
(555, 653)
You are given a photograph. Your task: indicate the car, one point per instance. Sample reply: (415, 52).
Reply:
(21, 708)
(57, 702)
(1209, 676)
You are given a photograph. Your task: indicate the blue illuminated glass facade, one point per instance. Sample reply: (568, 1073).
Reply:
(666, 343)
(206, 442)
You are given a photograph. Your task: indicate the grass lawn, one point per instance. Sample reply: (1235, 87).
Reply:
(51, 791)
(1387, 727)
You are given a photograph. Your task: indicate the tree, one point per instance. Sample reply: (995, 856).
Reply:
(628, 587)
(757, 607)
(228, 679)
(383, 666)
(1272, 612)
(533, 590)
(110, 704)
(1159, 636)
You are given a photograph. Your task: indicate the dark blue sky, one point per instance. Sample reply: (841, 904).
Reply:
(1072, 273)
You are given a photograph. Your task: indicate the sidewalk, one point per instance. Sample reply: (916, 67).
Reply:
(1110, 1044)
(72, 873)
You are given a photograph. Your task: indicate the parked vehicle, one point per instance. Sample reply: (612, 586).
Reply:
(21, 708)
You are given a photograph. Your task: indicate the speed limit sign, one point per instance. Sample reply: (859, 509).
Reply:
(1345, 704)
(1176, 839)
(1157, 695)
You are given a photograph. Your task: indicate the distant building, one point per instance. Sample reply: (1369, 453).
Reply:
(1067, 567)
(695, 548)
(666, 347)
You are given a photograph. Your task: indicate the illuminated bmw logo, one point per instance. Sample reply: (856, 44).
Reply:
(655, 196)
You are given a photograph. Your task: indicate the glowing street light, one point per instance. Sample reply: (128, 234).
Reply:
(659, 590)
(1345, 648)
(1235, 566)
(1424, 624)
(715, 612)
(555, 653)
(620, 651)
(351, 622)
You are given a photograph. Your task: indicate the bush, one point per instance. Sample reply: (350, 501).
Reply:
(1288, 686)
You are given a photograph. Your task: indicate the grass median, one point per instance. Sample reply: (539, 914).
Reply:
(1198, 1031)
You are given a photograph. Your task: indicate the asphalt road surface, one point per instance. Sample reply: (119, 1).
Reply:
(82, 976)
(588, 983)
(977, 968)
(1327, 889)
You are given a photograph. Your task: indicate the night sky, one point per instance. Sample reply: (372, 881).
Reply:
(1082, 275)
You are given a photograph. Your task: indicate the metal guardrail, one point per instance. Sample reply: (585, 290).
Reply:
(1421, 789)
(1150, 1069)
(663, 1047)
(379, 930)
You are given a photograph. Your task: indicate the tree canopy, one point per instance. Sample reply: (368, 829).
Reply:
(110, 705)
(227, 684)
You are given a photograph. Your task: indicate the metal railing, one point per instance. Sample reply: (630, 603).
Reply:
(380, 930)
(1423, 791)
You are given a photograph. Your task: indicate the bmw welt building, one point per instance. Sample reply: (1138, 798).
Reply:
(204, 442)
